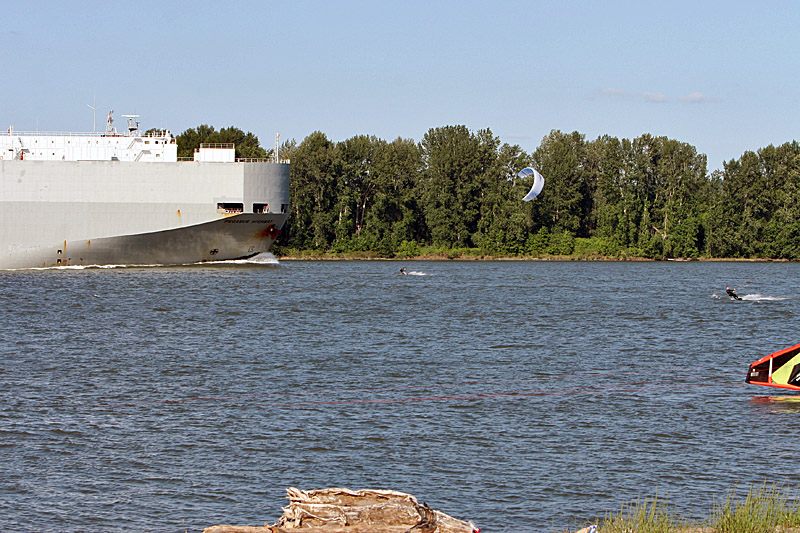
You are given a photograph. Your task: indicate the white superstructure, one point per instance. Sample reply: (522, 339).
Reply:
(153, 146)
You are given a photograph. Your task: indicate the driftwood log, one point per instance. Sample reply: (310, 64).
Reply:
(338, 510)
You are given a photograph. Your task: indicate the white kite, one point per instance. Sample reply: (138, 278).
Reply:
(538, 182)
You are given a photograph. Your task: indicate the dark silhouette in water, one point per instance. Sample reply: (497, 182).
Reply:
(732, 293)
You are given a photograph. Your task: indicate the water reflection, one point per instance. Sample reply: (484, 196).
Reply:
(786, 404)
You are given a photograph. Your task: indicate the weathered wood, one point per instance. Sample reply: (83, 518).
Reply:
(338, 510)
(240, 529)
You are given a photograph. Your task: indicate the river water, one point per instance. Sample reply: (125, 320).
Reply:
(524, 396)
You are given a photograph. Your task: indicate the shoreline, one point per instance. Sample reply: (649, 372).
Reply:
(359, 257)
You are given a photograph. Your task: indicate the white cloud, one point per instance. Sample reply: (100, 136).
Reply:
(697, 98)
(610, 91)
(613, 92)
(657, 98)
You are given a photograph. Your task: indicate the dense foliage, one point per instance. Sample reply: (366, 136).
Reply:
(458, 189)
(246, 144)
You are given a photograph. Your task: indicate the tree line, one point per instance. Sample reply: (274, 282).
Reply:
(246, 145)
(458, 189)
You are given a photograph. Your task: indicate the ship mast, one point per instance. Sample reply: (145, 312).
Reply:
(94, 116)
(110, 123)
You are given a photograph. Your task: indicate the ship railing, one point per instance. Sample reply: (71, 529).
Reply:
(260, 160)
(226, 146)
(20, 133)
(247, 160)
(157, 133)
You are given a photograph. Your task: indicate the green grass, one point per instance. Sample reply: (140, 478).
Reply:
(765, 509)
(642, 516)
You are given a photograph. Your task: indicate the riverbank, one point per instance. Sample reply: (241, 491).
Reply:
(312, 255)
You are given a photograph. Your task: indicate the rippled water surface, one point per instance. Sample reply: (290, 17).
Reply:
(525, 396)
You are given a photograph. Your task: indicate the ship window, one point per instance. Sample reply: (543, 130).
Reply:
(230, 207)
(260, 208)
(284, 208)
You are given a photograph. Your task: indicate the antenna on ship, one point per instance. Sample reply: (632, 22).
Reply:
(277, 138)
(94, 116)
(131, 127)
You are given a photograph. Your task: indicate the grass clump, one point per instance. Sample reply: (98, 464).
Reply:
(764, 510)
(643, 516)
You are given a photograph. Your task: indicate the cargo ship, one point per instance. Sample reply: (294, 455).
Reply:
(109, 198)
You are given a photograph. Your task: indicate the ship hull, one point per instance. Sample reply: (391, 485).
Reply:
(234, 237)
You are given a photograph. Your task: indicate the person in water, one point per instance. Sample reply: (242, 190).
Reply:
(403, 271)
(732, 293)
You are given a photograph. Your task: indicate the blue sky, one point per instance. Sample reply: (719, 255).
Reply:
(721, 76)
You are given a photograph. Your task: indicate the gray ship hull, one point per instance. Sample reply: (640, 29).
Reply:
(235, 237)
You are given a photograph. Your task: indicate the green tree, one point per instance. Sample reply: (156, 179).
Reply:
(455, 166)
(647, 196)
(567, 205)
(246, 145)
(613, 215)
(755, 213)
(312, 194)
(394, 216)
(680, 194)
(784, 232)
(355, 190)
(505, 220)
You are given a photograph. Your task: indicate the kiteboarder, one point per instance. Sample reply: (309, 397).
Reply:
(403, 271)
(732, 293)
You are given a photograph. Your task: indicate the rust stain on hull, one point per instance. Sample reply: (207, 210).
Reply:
(270, 232)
